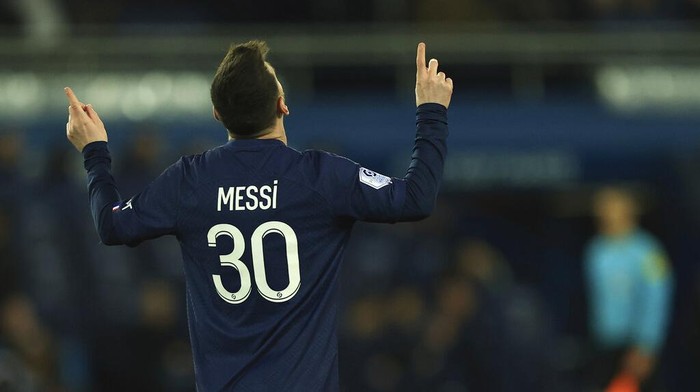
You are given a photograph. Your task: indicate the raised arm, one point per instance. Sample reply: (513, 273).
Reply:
(433, 95)
(84, 127)
(151, 213)
(369, 196)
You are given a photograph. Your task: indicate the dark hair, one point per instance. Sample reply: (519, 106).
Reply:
(244, 91)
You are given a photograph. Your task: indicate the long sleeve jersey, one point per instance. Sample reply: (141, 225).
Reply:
(262, 229)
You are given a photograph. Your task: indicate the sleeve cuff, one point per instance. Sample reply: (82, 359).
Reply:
(95, 151)
(431, 111)
(94, 147)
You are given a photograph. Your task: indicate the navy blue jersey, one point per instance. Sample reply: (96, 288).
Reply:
(262, 229)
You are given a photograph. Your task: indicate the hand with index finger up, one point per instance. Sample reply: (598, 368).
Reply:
(431, 86)
(84, 125)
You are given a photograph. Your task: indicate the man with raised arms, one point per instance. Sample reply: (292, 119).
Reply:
(263, 227)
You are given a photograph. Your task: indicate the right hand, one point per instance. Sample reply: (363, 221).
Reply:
(431, 86)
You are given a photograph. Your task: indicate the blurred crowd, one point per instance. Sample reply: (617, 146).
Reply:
(75, 315)
(500, 290)
(328, 11)
(454, 314)
(476, 298)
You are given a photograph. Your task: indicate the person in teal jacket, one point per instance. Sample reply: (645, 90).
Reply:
(630, 284)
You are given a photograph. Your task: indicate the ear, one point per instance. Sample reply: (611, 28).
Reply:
(215, 113)
(282, 108)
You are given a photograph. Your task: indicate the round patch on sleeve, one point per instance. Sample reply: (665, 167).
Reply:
(656, 267)
(373, 179)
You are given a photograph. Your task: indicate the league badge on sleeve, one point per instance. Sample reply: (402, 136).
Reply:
(373, 179)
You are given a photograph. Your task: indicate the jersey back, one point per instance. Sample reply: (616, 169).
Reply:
(262, 232)
(262, 229)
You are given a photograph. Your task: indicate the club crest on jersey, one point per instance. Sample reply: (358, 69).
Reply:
(373, 179)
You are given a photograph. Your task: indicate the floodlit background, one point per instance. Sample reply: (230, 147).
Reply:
(553, 99)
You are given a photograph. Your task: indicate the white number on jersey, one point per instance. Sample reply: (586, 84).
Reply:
(233, 259)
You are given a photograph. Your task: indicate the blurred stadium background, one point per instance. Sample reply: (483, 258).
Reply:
(552, 99)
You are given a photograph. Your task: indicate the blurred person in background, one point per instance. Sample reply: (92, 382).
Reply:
(444, 359)
(630, 284)
(35, 355)
(481, 331)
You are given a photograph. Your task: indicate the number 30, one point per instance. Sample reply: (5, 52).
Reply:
(233, 259)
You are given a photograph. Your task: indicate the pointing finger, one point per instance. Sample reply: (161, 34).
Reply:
(420, 58)
(76, 108)
(72, 99)
(433, 66)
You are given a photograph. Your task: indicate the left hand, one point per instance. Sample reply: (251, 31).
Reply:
(84, 125)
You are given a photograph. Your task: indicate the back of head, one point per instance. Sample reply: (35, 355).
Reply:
(616, 209)
(244, 91)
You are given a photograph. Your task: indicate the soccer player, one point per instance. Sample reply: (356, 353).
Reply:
(630, 284)
(263, 227)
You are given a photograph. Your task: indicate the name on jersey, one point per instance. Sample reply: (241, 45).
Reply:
(247, 198)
